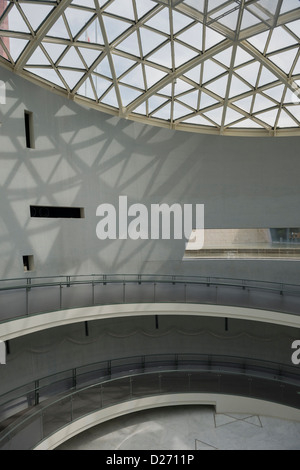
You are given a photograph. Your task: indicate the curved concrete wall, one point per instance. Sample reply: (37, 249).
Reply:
(84, 158)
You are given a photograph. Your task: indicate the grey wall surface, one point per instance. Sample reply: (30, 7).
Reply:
(84, 158)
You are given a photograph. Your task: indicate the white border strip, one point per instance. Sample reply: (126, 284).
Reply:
(32, 324)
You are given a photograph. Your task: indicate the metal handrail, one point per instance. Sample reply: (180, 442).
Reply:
(68, 280)
(283, 373)
(31, 283)
(11, 432)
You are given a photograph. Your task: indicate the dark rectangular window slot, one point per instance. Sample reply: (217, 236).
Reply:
(28, 116)
(57, 212)
(28, 263)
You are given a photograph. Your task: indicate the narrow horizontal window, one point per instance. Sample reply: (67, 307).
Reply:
(57, 212)
(29, 134)
(270, 243)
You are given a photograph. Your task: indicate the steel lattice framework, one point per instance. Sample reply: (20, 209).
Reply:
(216, 66)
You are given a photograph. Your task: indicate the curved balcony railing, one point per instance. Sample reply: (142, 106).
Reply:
(24, 297)
(92, 389)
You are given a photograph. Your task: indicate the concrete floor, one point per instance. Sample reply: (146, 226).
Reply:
(189, 428)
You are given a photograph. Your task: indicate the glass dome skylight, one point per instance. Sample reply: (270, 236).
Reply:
(225, 67)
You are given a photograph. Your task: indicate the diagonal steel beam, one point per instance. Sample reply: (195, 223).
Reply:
(279, 74)
(41, 33)
(177, 73)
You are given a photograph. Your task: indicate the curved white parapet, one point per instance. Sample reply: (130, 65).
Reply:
(31, 324)
(222, 403)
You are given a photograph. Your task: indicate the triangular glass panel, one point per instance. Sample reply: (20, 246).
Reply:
(71, 59)
(183, 54)
(206, 100)
(275, 92)
(247, 124)
(259, 40)
(121, 8)
(84, 3)
(150, 40)
(16, 48)
(14, 22)
(289, 5)
(248, 20)
(241, 57)
(92, 34)
(218, 86)
(285, 121)
(128, 94)
(180, 21)
(280, 39)
(71, 77)
(130, 45)
(89, 55)
(104, 68)
(211, 70)
(295, 111)
(153, 75)
(160, 21)
(190, 99)
(198, 5)
(163, 113)
(135, 77)
(266, 77)
(111, 99)
(54, 50)
(181, 86)
(141, 109)
(249, 73)
(193, 36)
(261, 103)
(238, 87)
(215, 115)
(198, 120)
(163, 56)
(212, 38)
(294, 27)
(232, 116)
(245, 103)
(269, 117)
(167, 90)
(38, 58)
(114, 28)
(122, 64)
(155, 102)
(296, 70)
(101, 85)
(284, 60)
(77, 19)
(224, 57)
(194, 74)
(230, 20)
(143, 7)
(36, 15)
(59, 30)
(179, 111)
(86, 90)
(48, 74)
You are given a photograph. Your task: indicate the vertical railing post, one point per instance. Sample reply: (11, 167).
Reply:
(28, 289)
(60, 296)
(74, 378)
(36, 392)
